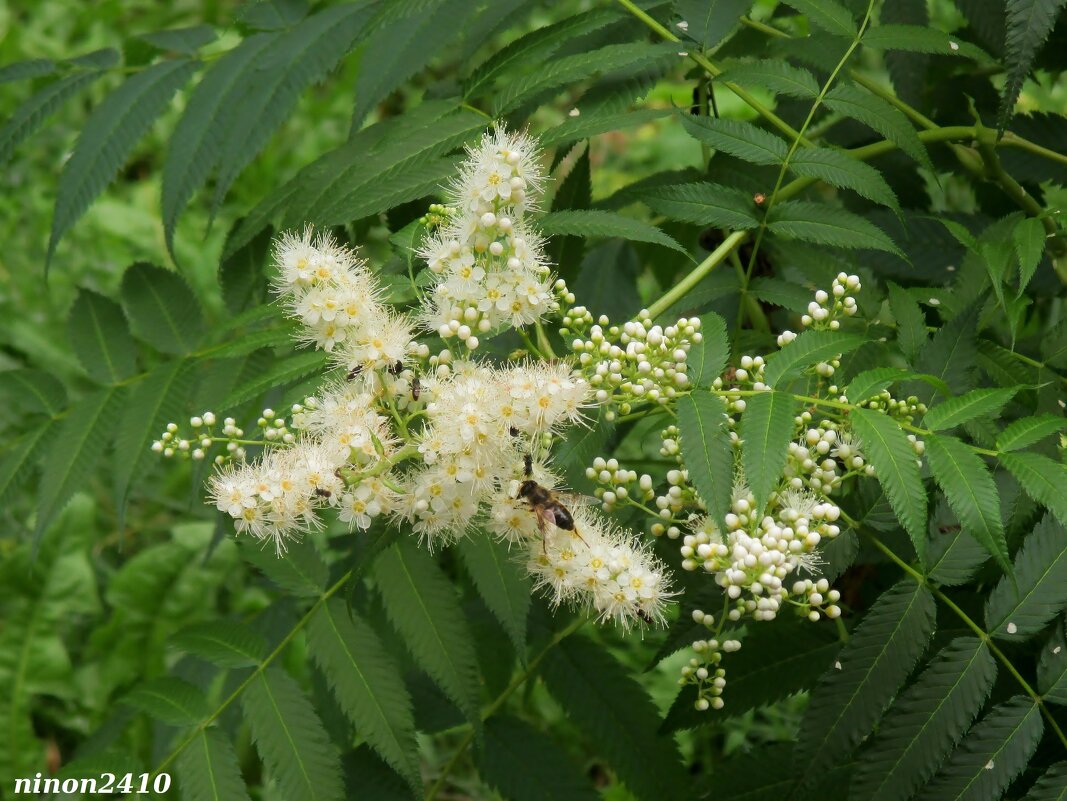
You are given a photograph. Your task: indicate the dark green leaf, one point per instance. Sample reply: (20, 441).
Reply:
(766, 428)
(703, 204)
(30, 68)
(837, 168)
(963, 408)
(827, 225)
(707, 359)
(170, 700)
(208, 770)
(282, 372)
(300, 570)
(740, 139)
(1043, 479)
(710, 21)
(878, 115)
(1029, 24)
(706, 449)
(29, 116)
(163, 309)
(1028, 237)
(222, 642)
(779, 76)
(1029, 430)
(808, 349)
(181, 40)
(911, 324)
(33, 391)
(586, 125)
(919, 39)
(594, 224)
(1017, 610)
(1052, 786)
(100, 338)
(828, 15)
(501, 582)
(1052, 667)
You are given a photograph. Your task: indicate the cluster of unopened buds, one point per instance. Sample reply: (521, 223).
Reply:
(636, 362)
(197, 442)
(704, 671)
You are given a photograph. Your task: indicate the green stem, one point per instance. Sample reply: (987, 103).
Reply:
(969, 622)
(499, 701)
(714, 259)
(352, 477)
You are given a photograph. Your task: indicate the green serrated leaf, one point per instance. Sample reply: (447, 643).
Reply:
(162, 308)
(707, 359)
(838, 169)
(78, 446)
(911, 324)
(1028, 238)
(421, 604)
(708, 22)
(779, 76)
(920, 39)
(587, 681)
(594, 223)
(829, 15)
(581, 66)
(33, 391)
(29, 116)
(878, 115)
(1025, 432)
(1016, 610)
(587, 125)
(993, 753)
(871, 382)
(969, 488)
(766, 428)
(894, 459)
(208, 770)
(742, 140)
(501, 583)
(194, 148)
(808, 349)
(963, 408)
(827, 225)
(524, 765)
(109, 135)
(954, 555)
(706, 449)
(290, 738)
(951, 354)
(222, 642)
(181, 40)
(300, 570)
(100, 338)
(23, 454)
(1043, 479)
(872, 666)
(1029, 24)
(703, 204)
(284, 371)
(1052, 786)
(170, 700)
(1052, 667)
(925, 723)
(367, 683)
(28, 68)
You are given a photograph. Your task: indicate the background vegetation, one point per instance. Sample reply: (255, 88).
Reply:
(143, 211)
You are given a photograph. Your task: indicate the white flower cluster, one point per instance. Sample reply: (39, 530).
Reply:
(754, 556)
(481, 425)
(196, 444)
(637, 361)
(703, 670)
(489, 263)
(337, 300)
(599, 567)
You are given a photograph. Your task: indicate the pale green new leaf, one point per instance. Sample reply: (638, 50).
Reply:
(709, 21)
(766, 429)
(878, 115)
(368, 684)
(501, 582)
(207, 769)
(1016, 610)
(827, 225)
(109, 135)
(962, 408)
(829, 15)
(808, 349)
(1052, 786)
(740, 139)
(777, 75)
(993, 753)
(595, 223)
(194, 148)
(162, 308)
(29, 116)
(874, 663)
(1028, 430)
(703, 203)
(588, 682)
(894, 459)
(299, 570)
(525, 765)
(579, 67)
(290, 738)
(582, 127)
(920, 39)
(170, 700)
(421, 603)
(969, 488)
(838, 169)
(75, 451)
(1029, 24)
(100, 337)
(925, 723)
(707, 358)
(1028, 238)
(706, 449)
(1043, 479)
(270, 87)
(284, 371)
(226, 643)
